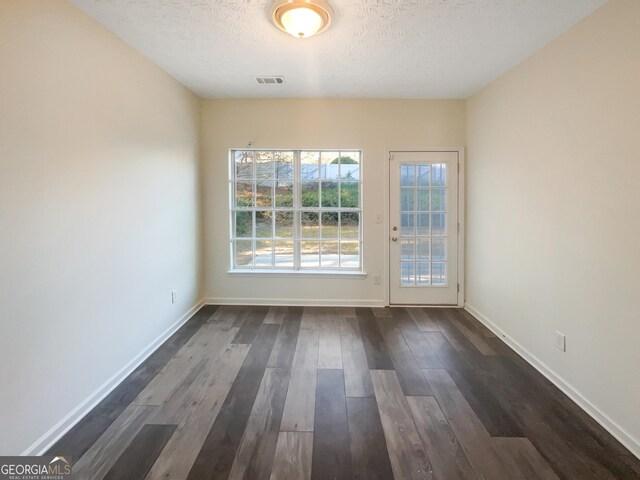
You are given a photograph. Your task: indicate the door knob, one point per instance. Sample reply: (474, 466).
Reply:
(394, 239)
(394, 228)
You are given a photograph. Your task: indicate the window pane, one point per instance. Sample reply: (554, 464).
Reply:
(244, 194)
(329, 225)
(265, 166)
(243, 224)
(284, 194)
(243, 253)
(422, 203)
(329, 194)
(264, 193)
(349, 195)
(350, 165)
(406, 200)
(310, 195)
(284, 254)
(309, 225)
(329, 165)
(244, 164)
(264, 254)
(350, 225)
(350, 254)
(264, 224)
(329, 256)
(309, 254)
(309, 165)
(284, 224)
(422, 274)
(407, 172)
(284, 165)
(423, 175)
(438, 196)
(267, 186)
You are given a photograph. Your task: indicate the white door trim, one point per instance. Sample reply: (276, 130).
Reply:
(461, 214)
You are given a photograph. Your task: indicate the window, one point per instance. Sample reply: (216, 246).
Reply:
(296, 210)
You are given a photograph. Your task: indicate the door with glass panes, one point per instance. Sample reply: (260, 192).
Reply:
(423, 246)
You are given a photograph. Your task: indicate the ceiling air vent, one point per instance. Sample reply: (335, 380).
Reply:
(271, 80)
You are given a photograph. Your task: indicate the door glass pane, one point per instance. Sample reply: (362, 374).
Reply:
(423, 219)
(406, 273)
(407, 249)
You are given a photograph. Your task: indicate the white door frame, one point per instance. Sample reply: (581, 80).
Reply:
(461, 214)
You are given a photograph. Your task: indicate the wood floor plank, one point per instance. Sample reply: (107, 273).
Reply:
(354, 360)
(345, 312)
(369, 454)
(447, 457)
(185, 364)
(218, 451)
(468, 429)
(196, 414)
(285, 347)
(522, 460)
(474, 336)
(381, 311)
(86, 432)
(106, 450)
(254, 456)
(374, 346)
(411, 378)
(312, 318)
(275, 315)
(331, 451)
(424, 346)
(292, 460)
(299, 407)
(423, 319)
(475, 323)
(253, 319)
(406, 453)
(330, 350)
(142, 452)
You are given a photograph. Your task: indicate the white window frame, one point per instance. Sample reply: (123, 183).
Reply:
(297, 209)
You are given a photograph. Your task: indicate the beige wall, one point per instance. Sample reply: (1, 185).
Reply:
(98, 212)
(553, 207)
(370, 125)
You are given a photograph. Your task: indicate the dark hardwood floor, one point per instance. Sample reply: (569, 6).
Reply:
(339, 393)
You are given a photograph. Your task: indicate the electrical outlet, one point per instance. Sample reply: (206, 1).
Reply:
(561, 341)
(174, 296)
(376, 279)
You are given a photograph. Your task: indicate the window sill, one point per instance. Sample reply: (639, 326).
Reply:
(297, 274)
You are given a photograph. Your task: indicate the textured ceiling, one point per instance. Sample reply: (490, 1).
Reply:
(373, 49)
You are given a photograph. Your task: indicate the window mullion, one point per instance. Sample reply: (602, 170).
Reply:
(297, 185)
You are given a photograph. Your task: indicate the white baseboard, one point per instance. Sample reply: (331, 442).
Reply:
(294, 302)
(627, 439)
(40, 446)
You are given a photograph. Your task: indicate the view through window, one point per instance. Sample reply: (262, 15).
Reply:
(296, 210)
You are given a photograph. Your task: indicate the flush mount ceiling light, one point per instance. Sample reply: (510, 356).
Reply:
(302, 18)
